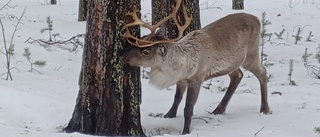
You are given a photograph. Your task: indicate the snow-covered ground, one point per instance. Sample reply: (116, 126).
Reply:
(39, 105)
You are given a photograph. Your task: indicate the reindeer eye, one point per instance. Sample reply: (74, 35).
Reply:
(145, 52)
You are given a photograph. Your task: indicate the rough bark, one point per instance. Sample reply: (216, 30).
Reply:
(83, 10)
(161, 9)
(238, 4)
(109, 95)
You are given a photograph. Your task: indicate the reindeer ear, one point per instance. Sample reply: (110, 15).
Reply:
(162, 50)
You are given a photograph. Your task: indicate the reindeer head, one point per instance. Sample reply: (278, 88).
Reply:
(152, 48)
(146, 56)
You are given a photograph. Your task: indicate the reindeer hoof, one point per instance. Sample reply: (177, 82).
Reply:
(218, 111)
(265, 110)
(170, 115)
(185, 131)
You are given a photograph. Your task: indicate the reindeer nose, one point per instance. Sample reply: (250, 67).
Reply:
(121, 53)
(124, 59)
(122, 56)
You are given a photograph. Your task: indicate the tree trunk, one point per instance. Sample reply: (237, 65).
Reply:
(83, 10)
(238, 4)
(161, 9)
(109, 95)
(53, 2)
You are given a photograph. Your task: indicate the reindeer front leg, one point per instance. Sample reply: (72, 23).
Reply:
(192, 96)
(181, 87)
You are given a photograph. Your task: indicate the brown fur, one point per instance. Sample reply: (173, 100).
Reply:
(219, 48)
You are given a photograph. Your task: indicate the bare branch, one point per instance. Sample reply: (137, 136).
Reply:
(15, 69)
(205, 5)
(314, 70)
(35, 70)
(315, 5)
(16, 27)
(4, 37)
(9, 48)
(57, 69)
(290, 4)
(5, 5)
(2, 51)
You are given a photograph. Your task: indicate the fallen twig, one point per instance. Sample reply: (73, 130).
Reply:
(313, 69)
(277, 92)
(203, 118)
(73, 40)
(258, 132)
(315, 5)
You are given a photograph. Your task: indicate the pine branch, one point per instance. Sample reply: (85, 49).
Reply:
(43, 30)
(279, 35)
(40, 63)
(297, 36)
(309, 37)
(264, 34)
(27, 54)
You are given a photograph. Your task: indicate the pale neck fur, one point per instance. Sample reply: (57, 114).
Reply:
(180, 62)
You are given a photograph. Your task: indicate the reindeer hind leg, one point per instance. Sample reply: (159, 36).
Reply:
(235, 78)
(260, 72)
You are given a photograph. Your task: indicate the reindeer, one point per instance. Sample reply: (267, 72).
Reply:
(220, 48)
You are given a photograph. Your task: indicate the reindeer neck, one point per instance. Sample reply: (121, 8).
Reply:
(180, 62)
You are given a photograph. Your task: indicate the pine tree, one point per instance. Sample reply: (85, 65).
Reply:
(38, 63)
(237, 4)
(297, 37)
(109, 90)
(48, 28)
(83, 10)
(264, 34)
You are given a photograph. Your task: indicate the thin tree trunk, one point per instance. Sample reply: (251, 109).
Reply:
(161, 9)
(53, 2)
(238, 4)
(109, 95)
(83, 10)
(193, 10)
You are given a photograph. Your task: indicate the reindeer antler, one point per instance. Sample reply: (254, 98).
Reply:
(145, 43)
